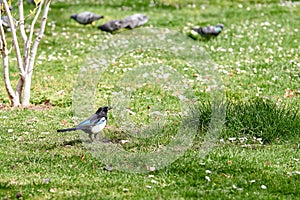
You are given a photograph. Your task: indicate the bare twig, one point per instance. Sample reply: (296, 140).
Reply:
(14, 37)
(21, 21)
(4, 51)
(29, 40)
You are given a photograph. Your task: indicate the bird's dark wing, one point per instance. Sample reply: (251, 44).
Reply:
(90, 122)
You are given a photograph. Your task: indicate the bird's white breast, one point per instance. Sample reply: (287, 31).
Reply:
(99, 127)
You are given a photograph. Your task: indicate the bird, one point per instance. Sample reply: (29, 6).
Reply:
(209, 31)
(135, 20)
(111, 26)
(92, 125)
(5, 23)
(86, 17)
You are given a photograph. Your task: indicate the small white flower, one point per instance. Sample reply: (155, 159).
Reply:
(124, 141)
(207, 178)
(151, 169)
(263, 187)
(208, 171)
(274, 78)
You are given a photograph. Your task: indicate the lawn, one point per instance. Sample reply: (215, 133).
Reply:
(192, 119)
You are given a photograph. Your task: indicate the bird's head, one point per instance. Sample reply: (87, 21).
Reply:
(73, 16)
(103, 109)
(220, 26)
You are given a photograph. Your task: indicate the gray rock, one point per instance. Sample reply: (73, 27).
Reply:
(86, 17)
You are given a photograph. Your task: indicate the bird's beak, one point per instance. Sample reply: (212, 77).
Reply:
(109, 108)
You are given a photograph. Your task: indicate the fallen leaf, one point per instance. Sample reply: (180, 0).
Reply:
(64, 122)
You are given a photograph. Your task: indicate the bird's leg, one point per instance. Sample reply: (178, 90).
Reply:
(90, 136)
(95, 136)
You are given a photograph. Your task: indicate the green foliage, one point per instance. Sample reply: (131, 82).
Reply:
(257, 56)
(258, 118)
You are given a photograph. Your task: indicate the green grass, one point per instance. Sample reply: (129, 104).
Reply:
(255, 154)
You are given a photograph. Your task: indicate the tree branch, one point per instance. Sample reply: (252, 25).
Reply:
(29, 40)
(21, 21)
(40, 35)
(14, 37)
(11, 94)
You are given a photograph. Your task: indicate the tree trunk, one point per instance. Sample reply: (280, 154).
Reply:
(26, 90)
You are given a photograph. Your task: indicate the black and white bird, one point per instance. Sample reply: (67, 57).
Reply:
(135, 20)
(86, 17)
(93, 125)
(209, 31)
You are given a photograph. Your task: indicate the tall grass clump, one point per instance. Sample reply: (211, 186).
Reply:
(257, 118)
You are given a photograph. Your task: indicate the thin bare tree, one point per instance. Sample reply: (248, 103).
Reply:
(25, 46)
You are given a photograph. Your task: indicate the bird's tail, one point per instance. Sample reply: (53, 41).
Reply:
(67, 129)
